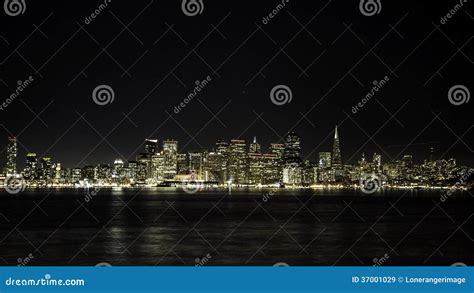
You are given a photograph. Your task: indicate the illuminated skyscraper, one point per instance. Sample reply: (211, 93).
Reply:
(76, 175)
(324, 160)
(222, 148)
(133, 171)
(254, 146)
(29, 173)
(256, 166)
(277, 149)
(377, 162)
(182, 164)
(117, 172)
(292, 147)
(145, 160)
(151, 146)
(292, 163)
(47, 170)
(213, 171)
(158, 167)
(336, 152)
(237, 162)
(170, 152)
(102, 173)
(12, 150)
(196, 165)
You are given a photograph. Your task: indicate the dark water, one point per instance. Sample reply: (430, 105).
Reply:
(170, 227)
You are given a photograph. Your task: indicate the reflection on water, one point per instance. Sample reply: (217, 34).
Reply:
(248, 227)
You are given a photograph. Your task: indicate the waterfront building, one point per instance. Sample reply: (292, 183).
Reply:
(10, 168)
(237, 161)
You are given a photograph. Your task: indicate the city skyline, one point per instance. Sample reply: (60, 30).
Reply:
(428, 151)
(235, 162)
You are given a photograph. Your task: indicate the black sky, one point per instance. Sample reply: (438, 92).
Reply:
(164, 52)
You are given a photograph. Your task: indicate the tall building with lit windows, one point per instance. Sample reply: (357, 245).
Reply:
(324, 160)
(337, 168)
(10, 168)
(256, 167)
(170, 153)
(222, 148)
(47, 170)
(292, 163)
(237, 161)
(336, 152)
(377, 163)
(151, 146)
(254, 146)
(325, 173)
(158, 167)
(195, 160)
(30, 171)
(182, 164)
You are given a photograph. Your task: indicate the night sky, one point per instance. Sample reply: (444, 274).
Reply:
(151, 54)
